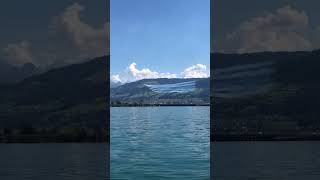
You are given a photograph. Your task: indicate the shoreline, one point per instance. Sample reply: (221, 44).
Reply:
(225, 138)
(39, 139)
(54, 135)
(14, 140)
(157, 105)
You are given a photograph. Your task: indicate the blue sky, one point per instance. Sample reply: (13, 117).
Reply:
(165, 36)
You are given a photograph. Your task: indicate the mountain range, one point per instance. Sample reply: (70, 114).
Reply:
(162, 91)
(68, 102)
(13, 74)
(269, 93)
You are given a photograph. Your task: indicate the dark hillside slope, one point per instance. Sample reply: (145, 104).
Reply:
(266, 94)
(71, 97)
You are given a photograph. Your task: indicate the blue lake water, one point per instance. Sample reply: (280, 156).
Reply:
(79, 161)
(178, 148)
(266, 160)
(153, 143)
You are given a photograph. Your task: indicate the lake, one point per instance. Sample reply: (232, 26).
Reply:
(155, 143)
(266, 160)
(54, 161)
(152, 143)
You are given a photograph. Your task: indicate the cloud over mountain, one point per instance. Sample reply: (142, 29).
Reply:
(132, 73)
(19, 53)
(69, 39)
(285, 29)
(195, 71)
(146, 73)
(89, 40)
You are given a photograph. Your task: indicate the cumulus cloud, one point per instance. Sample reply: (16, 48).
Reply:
(71, 41)
(146, 73)
(195, 71)
(132, 73)
(117, 79)
(89, 40)
(18, 53)
(286, 29)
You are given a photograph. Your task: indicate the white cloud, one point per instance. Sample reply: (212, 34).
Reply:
(116, 79)
(83, 41)
(146, 73)
(19, 53)
(195, 71)
(132, 73)
(89, 40)
(286, 29)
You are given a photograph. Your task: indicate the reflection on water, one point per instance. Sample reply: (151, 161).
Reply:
(54, 161)
(265, 160)
(160, 143)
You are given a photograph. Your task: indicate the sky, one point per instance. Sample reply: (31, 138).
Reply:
(52, 33)
(273, 25)
(153, 38)
(159, 38)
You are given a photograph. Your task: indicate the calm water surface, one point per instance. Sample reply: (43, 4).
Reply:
(154, 143)
(266, 161)
(53, 161)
